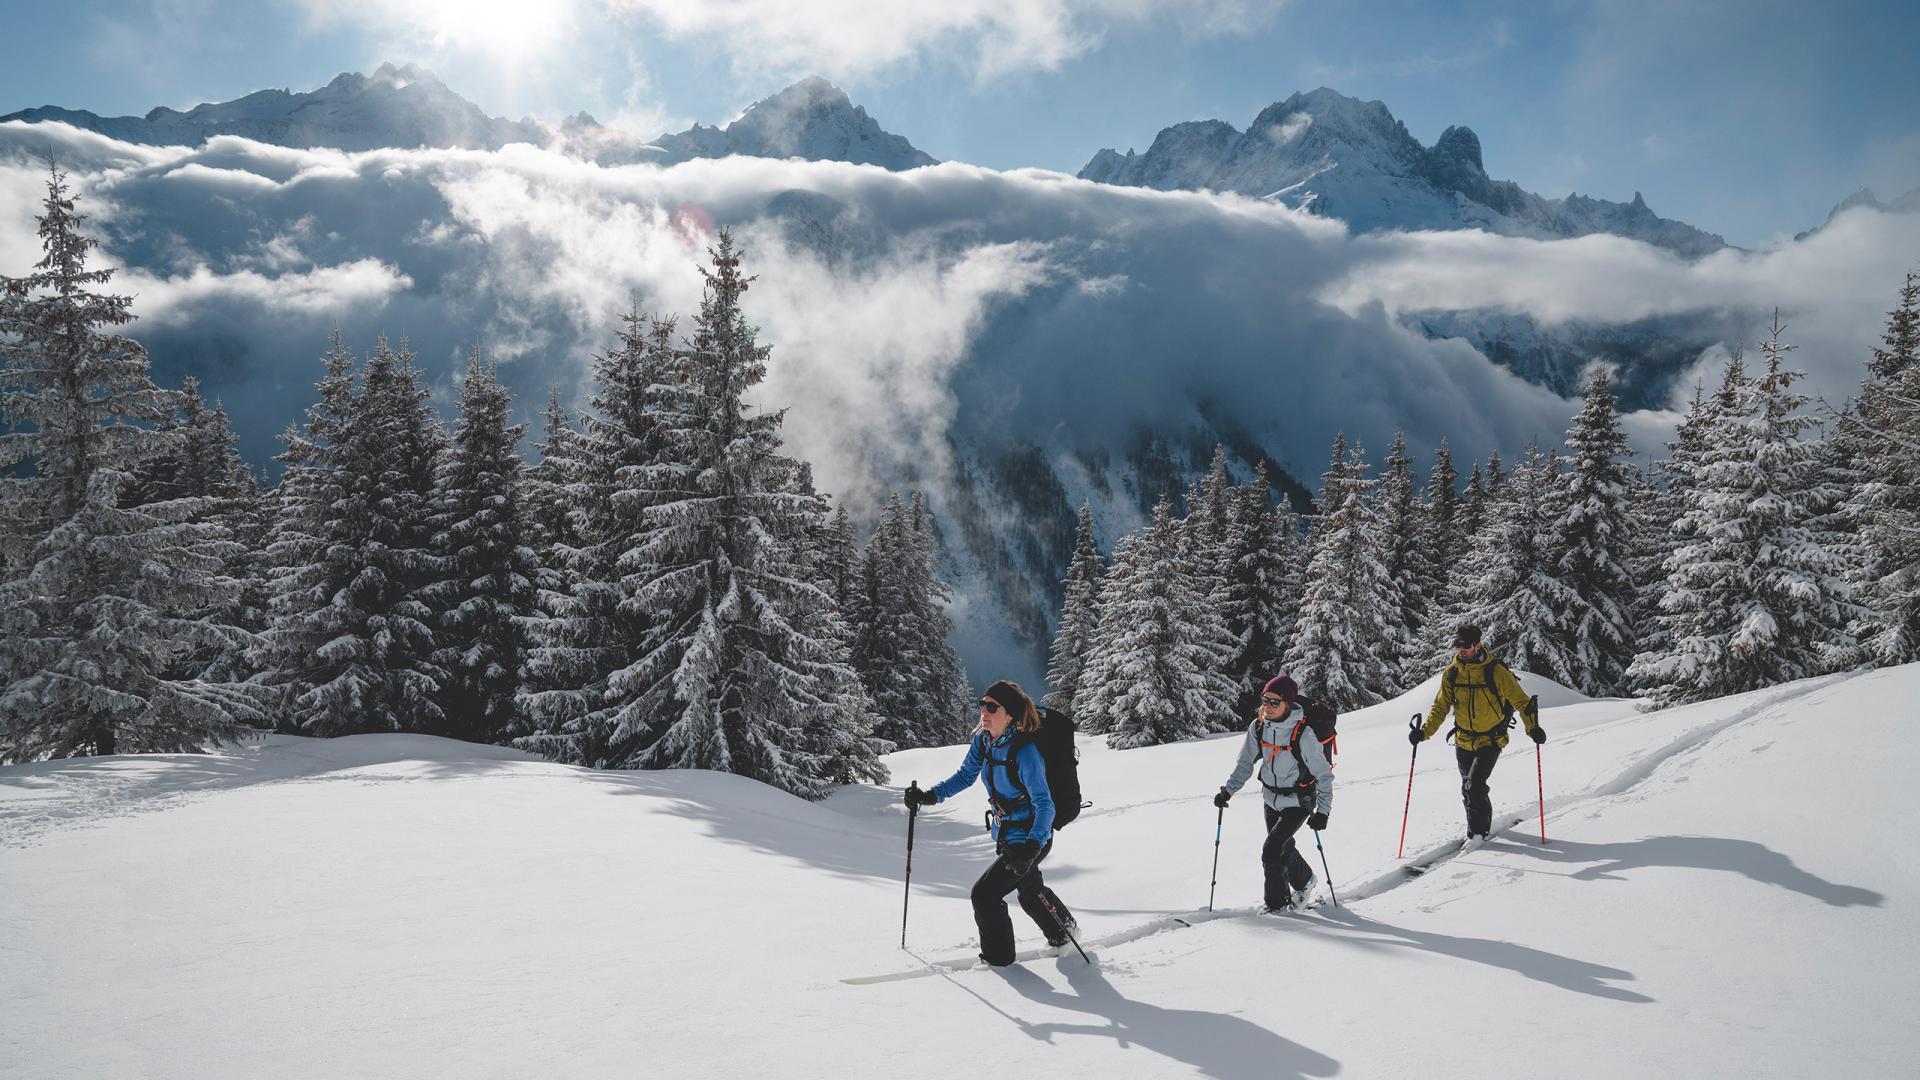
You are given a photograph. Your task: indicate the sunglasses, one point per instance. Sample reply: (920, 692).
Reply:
(1272, 702)
(989, 707)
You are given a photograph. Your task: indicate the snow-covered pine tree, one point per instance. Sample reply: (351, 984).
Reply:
(1344, 649)
(844, 743)
(1882, 433)
(1754, 598)
(948, 694)
(1594, 539)
(1162, 669)
(1263, 588)
(728, 679)
(304, 570)
(1443, 546)
(1404, 554)
(377, 673)
(102, 605)
(553, 510)
(590, 626)
(840, 559)
(880, 648)
(1079, 617)
(487, 571)
(1514, 590)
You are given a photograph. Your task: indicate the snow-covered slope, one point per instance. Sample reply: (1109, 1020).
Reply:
(1723, 895)
(1335, 156)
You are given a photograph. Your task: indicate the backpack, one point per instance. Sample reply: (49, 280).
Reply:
(1313, 717)
(1055, 740)
(1322, 719)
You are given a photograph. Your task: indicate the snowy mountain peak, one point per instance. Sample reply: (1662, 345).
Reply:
(1337, 156)
(399, 105)
(811, 119)
(1461, 146)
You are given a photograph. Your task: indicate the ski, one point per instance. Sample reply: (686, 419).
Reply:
(942, 967)
(1157, 926)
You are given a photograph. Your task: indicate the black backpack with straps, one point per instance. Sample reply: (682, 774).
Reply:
(1309, 717)
(1055, 741)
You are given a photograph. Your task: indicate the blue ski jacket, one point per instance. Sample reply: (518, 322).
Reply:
(1016, 780)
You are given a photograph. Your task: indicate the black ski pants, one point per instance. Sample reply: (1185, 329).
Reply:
(1475, 767)
(1280, 857)
(990, 906)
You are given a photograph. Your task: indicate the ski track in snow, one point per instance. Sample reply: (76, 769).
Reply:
(1421, 863)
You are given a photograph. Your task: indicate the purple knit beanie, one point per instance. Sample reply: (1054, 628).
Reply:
(1284, 686)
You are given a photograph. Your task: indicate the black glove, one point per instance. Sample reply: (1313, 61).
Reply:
(1021, 857)
(1537, 733)
(1221, 797)
(917, 796)
(1316, 821)
(1416, 736)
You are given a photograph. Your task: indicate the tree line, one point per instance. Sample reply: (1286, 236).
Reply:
(1769, 544)
(663, 588)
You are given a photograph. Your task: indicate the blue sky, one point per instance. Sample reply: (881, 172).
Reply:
(1747, 119)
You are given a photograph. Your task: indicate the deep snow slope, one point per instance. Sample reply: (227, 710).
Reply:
(1722, 895)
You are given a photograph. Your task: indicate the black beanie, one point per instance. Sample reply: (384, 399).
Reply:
(1468, 634)
(1011, 698)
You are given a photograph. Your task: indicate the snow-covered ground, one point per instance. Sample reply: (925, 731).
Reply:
(1725, 893)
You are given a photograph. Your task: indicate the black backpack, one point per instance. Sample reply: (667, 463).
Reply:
(1322, 719)
(1055, 740)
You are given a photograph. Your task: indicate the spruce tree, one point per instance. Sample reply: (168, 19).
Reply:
(1345, 648)
(377, 673)
(728, 679)
(1079, 617)
(1405, 555)
(590, 626)
(1163, 650)
(944, 687)
(1881, 433)
(1263, 588)
(1754, 597)
(1443, 546)
(1594, 536)
(102, 599)
(1514, 591)
(487, 572)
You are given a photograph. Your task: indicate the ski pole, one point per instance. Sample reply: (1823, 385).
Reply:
(1323, 865)
(1402, 853)
(1062, 924)
(1539, 777)
(913, 812)
(1216, 857)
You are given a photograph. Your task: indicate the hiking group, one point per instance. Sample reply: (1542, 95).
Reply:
(1024, 756)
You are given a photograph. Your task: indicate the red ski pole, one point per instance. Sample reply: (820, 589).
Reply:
(1539, 778)
(1533, 706)
(1402, 853)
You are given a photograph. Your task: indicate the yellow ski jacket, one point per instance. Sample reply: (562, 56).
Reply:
(1482, 695)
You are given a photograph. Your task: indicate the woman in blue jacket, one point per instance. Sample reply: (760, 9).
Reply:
(1016, 779)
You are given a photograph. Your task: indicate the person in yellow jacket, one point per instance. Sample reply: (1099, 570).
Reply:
(1483, 696)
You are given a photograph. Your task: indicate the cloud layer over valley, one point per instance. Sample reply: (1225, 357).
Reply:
(923, 322)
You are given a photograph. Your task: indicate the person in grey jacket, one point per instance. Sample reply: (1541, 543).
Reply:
(1299, 788)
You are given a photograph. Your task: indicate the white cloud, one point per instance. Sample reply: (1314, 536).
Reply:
(853, 37)
(889, 296)
(909, 313)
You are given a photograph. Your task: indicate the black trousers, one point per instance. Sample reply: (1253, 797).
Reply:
(990, 906)
(1475, 767)
(1280, 857)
